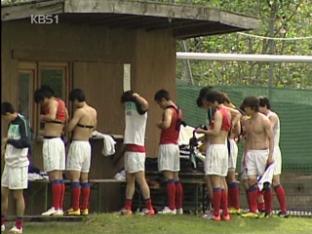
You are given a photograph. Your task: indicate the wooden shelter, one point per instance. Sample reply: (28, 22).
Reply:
(103, 47)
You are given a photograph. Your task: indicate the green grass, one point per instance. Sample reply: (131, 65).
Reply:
(115, 224)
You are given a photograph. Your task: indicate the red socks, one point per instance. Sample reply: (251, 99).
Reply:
(280, 193)
(62, 194)
(224, 202)
(85, 193)
(252, 198)
(233, 195)
(179, 195)
(216, 201)
(171, 194)
(268, 200)
(148, 204)
(19, 223)
(75, 195)
(56, 194)
(128, 204)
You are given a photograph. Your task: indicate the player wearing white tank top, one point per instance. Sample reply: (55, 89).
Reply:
(265, 108)
(135, 116)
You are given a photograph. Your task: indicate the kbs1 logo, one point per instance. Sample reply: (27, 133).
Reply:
(44, 19)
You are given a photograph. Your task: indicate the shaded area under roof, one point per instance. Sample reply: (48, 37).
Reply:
(185, 21)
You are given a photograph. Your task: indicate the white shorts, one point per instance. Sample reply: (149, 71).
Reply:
(53, 152)
(79, 156)
(216, 162)
(233, 154)
(256, 162)
(134, 162)
(15, 178)
(277, 158)
(169, 157)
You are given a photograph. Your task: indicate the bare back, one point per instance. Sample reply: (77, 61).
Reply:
(86, 122)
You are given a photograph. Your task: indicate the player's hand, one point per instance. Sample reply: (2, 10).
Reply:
(199, 130)
(269, 160)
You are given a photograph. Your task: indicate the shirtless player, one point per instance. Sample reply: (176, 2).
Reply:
(79, 155)
(216, 164)
(54, 116)
(265, 108)
(259, 153)
(169, 154)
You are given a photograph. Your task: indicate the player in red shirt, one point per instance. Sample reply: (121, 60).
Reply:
(54, 116)
(216, 164)
(169, 154)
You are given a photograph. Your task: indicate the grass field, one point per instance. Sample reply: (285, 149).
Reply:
(115, 224)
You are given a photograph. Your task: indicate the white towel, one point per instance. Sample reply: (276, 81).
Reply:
(266, 177)
(108, 143)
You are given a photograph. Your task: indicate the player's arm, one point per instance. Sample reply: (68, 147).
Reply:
(142, 101)
(217, 126)
(74, 121)
(23, 142)
(52, 112)
(269, 132)
(167, 118)
(273, 120)
(95, 121)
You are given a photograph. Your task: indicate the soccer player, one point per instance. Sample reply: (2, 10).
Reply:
(233, 184)
(259, 153)
(265, 108)
(15, 173)
(136, 108)
(216, 163)
(53, 115)
(79, 155)
(169, 154)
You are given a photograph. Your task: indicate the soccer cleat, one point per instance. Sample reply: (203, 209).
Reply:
(49, 212)
(250, 215)
(72, 212)
(126, 212)
(58, 213)
(2, 228)
(84, 212)
(16, 230)
(167, 210)
(180, 211)
(148, 212)
(226, 217)
(207, 215)
(234, 211)
(283, 214)
(215, 218)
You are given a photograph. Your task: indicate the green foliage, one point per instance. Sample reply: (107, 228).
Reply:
(281, 19)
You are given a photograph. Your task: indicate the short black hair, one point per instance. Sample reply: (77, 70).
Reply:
(264, 101)
(38, 96)
(252, 102)
(160, 94)
(213, 96)
(77, 94)
(45, 91)
(7, 107)
(127, 96)
(202, 94)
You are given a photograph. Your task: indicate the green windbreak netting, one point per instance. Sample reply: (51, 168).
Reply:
(294, 108)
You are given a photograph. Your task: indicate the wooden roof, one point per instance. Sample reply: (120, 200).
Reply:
(185, 21)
